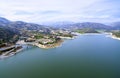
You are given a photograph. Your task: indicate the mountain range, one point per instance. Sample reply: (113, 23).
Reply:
(11, 29)
(18, 25)
(8, 29)
(94, 25)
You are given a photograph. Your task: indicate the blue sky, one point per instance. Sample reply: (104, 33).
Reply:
(39, 11)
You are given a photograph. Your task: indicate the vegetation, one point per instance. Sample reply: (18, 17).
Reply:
(65, 35)
(68, 35)
(8, 36)
(39, 36)
(87, 30)
(116, 33)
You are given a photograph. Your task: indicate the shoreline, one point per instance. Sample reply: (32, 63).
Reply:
(91, 33)
(49, 46)
(112, 36)
(107, 35)
(10, 53)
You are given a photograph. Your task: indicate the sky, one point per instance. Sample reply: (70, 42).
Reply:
(41, 11)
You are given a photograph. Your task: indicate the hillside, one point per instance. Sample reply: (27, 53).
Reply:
(116, 25)
(19, 25)
(10, 30)
(87, 30)
(116, 33)
(74, 26)
(8, 35)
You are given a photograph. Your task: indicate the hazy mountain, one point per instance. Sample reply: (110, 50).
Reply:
(116, 25)
(91, 25)
(18, 25)
(4, 21)
(10, 30)
(72, 25)
(60, 24)
(24, 25)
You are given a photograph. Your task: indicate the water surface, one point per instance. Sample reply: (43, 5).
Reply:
(88, 56)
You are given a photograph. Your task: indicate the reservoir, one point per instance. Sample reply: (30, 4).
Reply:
(87, 56)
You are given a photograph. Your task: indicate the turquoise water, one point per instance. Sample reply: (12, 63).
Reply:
(88, 56)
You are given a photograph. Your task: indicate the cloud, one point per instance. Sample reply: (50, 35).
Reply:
(23, 13)
(59, 10)
(50, 12)
(109, 8)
